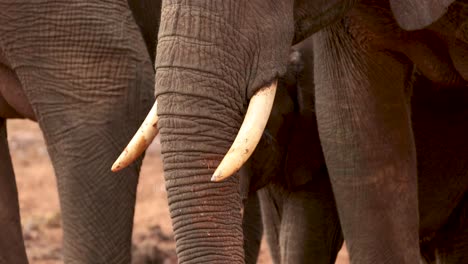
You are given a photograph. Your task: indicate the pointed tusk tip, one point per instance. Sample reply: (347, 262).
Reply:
(214, 178)
(217, 177)
(115, 168)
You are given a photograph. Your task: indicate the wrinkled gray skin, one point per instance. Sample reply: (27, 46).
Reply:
(297, 204)
(364, 122)
(251, 220)
(81, 69)
(135, 89)
(213, 56)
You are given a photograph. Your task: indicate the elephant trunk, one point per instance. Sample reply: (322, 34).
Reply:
(212, 57)
(206, 216)
(200, 111)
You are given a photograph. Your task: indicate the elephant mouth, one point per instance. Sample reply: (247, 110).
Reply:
(244, 144)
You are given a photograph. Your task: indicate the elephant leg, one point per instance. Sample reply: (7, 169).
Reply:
(11, 241)
(367, 139)
(271, 204)
(252, 228)
(251, 218)
(97, 205)
(87, 75)
(310, 228)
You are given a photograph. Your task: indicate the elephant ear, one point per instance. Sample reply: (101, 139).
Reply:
(418, 14)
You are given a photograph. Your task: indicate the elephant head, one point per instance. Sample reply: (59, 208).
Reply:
(216, 62)
(212, 57)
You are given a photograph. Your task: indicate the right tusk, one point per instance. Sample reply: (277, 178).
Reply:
(249, 134)
(140, 141)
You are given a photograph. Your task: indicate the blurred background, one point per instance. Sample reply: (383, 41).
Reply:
(40, 213)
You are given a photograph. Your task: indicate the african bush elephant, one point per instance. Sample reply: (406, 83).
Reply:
(299, 215)
(215, 58)
(252, 218)
(81, 69)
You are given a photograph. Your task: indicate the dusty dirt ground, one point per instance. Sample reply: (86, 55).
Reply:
(152, 236)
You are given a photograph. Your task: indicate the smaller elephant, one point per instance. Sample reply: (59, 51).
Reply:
(288, 173)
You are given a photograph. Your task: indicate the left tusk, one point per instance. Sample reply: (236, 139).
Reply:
(140, 141)
(249, 134)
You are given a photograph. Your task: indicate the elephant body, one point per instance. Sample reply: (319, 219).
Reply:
(298, 209)
(81, 69)
(367, 132)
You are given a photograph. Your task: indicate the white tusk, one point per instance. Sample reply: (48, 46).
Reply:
(249, 134)
(140, 141)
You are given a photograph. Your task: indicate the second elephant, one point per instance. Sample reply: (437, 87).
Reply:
(298, 208)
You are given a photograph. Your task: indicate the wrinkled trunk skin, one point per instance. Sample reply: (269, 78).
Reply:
(206, 216)
(211, 57)
(365, 131)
